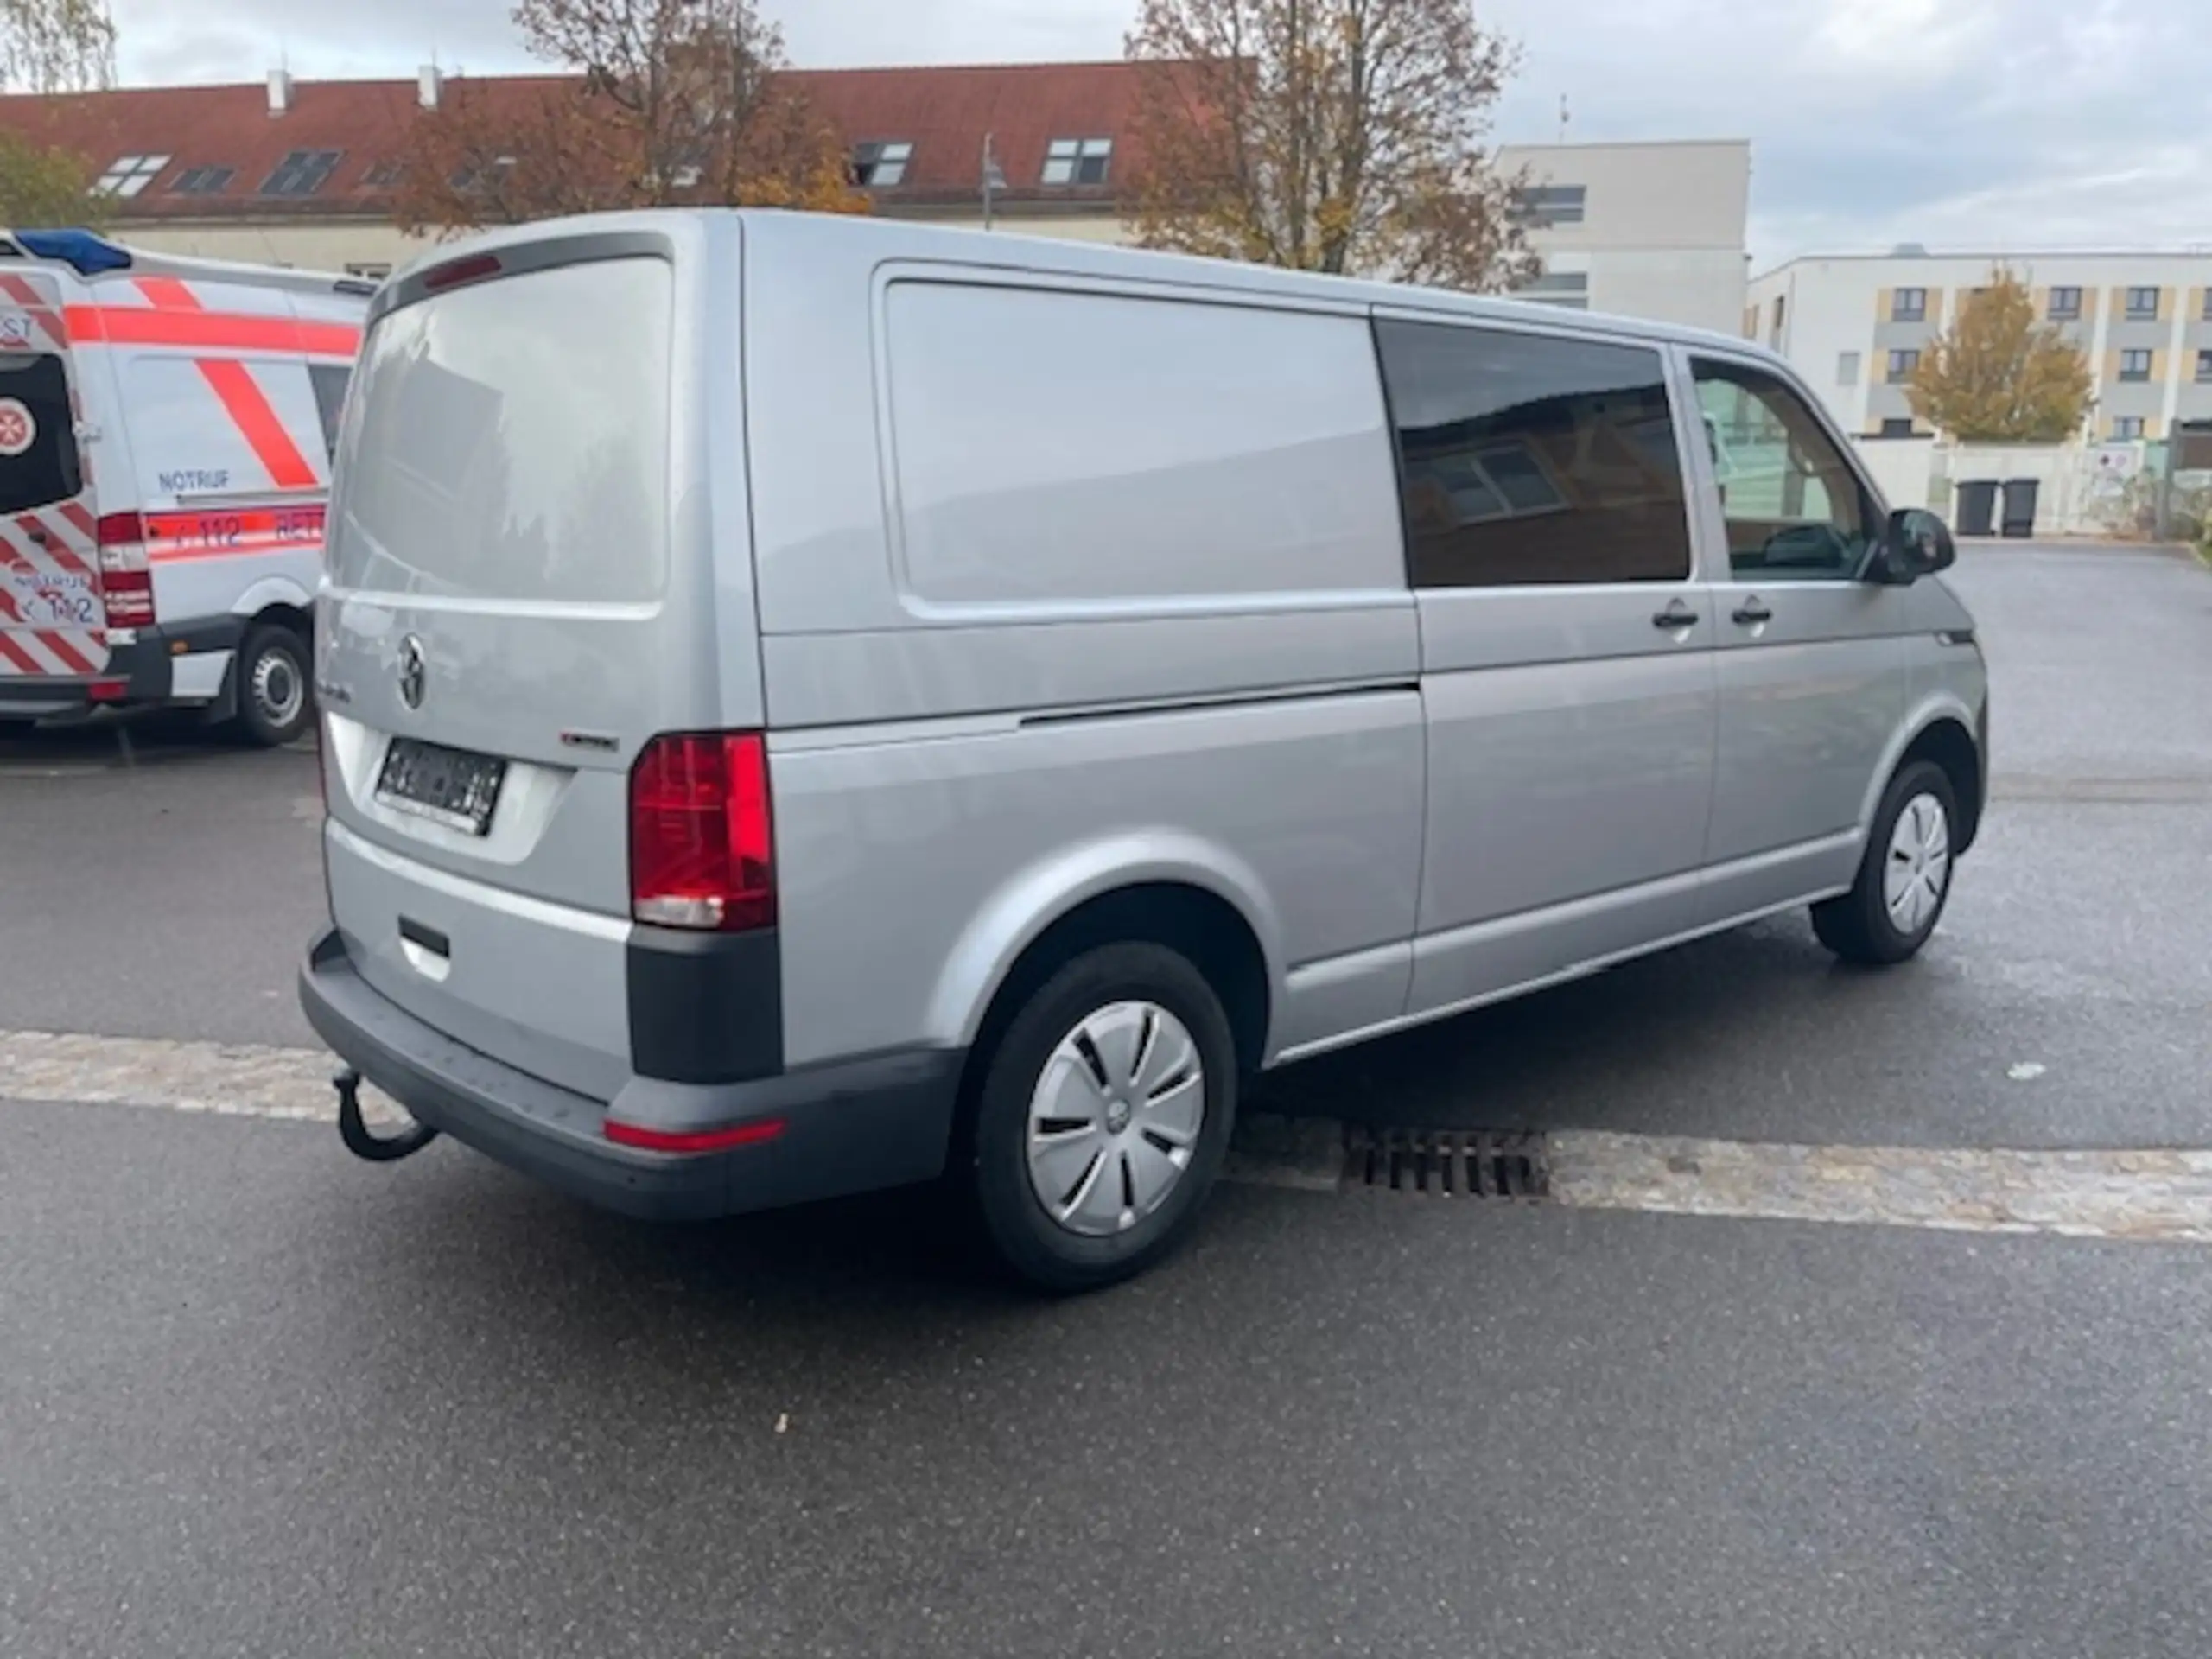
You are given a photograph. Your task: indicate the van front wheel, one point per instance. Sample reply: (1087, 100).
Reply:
(1904, 880)
(275, 697)
(1103, 1115)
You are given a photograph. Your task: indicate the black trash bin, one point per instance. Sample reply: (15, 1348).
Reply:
(2021, 495)
(1978, 506)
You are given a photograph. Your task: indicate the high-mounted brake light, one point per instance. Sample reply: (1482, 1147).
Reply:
(701, 839)
(126, 581)
(474, 269)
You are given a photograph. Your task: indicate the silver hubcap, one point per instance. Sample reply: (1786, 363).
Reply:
(1115, 1119)
(277, 688)
(1919, 865)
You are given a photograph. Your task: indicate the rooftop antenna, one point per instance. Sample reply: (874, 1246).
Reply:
(1564, 118)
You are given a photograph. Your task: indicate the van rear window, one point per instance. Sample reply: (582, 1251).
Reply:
(38, 442)
(510, 440)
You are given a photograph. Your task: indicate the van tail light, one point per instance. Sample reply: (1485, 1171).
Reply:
(126, 580)
(701, 841)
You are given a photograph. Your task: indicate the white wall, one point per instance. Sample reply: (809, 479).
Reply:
(1663, 231)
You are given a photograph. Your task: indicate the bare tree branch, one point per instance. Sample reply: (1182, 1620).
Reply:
(1327, 135)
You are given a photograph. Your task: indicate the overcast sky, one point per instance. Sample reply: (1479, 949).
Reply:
(1999, 124)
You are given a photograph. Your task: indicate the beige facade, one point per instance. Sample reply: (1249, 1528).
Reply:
(1642, 230)
(1855, 325)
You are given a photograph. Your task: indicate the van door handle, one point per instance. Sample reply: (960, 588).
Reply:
(1753, 612)
(1677, 615)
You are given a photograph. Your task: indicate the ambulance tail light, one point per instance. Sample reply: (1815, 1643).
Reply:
(126, 581)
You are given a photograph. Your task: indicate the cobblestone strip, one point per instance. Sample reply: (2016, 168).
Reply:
(2140, 1195)
(2137, 1195)
(231, 1079)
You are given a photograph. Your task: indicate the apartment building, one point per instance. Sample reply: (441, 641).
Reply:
(1856, 327)
(1645, 230)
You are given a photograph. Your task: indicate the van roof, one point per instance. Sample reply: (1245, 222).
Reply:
(115, 259)
(886, 238)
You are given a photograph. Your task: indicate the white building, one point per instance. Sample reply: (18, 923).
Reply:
(1855, 326)
(1647, 230)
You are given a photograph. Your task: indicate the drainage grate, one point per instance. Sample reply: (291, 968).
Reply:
(1448, 1163)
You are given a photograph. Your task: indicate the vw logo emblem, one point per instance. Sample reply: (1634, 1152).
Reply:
(412, 673)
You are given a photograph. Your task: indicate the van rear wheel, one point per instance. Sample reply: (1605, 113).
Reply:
(1904, 880)
(1102, 1117)
(274, 693)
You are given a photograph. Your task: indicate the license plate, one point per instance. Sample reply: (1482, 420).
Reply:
(449, 786)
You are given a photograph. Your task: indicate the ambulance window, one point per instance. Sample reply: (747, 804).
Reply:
(38, 449)
(330, 380)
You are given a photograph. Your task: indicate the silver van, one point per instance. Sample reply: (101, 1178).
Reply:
(811, 704)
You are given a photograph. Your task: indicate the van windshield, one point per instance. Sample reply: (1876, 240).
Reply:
(509, 441)
(38, 444)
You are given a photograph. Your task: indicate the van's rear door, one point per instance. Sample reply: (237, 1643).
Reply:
(520, 592)
(51, 621)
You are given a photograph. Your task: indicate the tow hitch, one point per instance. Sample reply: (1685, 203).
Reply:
(353, 1130)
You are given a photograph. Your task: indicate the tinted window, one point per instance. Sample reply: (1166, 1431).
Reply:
(1530, 459)
(1793, 506)
(38, 449)
(1054, 447)
(330, 380)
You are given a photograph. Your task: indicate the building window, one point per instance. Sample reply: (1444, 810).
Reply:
(203, 181)
(1781, 313)
(1903, 365)
(301, 173)
(2065, 304)
(480, 177)
(2203, 368)
(1908, 305)
(881, 166)
(128, 174)
(384, 175)
(2135, 366)
(1569, 289)
(1897, 426)
(1542, 205)
(1846, 369)
(2208, 305)
(2127, 428)
(2142, 305)
(1077, 161)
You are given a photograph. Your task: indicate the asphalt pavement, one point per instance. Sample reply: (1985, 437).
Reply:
(257, 1398)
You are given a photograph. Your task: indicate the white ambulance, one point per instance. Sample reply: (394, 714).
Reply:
(165, 432)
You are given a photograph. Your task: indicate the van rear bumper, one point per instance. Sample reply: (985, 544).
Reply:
(850, 1128)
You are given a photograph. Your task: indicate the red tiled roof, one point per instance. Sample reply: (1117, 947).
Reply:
(944, 112)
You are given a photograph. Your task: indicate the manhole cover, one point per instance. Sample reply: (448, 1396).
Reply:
(1448, 1163)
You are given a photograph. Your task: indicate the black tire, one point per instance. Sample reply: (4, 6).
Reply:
(275, 690)
(1858, 925)
(1028, 1239)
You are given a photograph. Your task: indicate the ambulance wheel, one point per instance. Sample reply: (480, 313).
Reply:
(275, 700)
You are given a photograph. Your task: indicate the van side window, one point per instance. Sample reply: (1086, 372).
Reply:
(1533, 459)
(38, 440)
(330, 380)
(1794, 508)
(1055, 447)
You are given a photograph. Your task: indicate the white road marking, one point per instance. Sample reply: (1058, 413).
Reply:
(2149, 1194)
(230, 1079)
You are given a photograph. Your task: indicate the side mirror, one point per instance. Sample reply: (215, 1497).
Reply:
(1914, 543)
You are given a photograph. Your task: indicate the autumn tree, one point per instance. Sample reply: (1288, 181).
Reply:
(1345, 136)
(50, 46)
(674, 103)
(1999, 376)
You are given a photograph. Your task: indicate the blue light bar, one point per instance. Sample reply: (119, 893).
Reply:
(84, 253)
